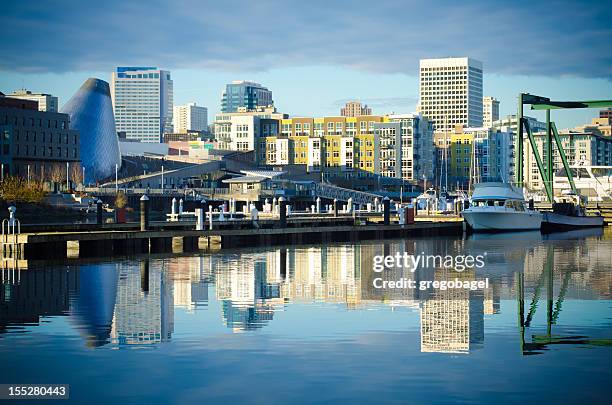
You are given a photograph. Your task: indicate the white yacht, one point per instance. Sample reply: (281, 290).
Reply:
(500, 207)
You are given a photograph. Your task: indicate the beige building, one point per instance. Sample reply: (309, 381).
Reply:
(46, 102)
(490, 111)
(600, 125)
(355, 109)
(240, 130)
(450, 92)
(189, 117)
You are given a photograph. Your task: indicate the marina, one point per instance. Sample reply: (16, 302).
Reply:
(249, 312)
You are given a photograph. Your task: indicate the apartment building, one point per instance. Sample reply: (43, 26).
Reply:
(396, 146)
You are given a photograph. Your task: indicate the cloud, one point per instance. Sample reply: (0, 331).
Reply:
(547, 38)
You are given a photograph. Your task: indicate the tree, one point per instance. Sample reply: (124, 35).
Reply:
(76, 173)
(57, 173)
(121, 200)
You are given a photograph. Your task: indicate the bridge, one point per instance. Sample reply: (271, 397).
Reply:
(313, 190)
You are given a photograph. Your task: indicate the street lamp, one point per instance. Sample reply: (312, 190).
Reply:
(67, 176)
(28, 175)
(83, 178)
(162, 178)
(116, 178)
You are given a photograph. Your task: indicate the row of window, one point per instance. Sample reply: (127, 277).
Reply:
(33, 136)
(40, 151)
(29, 121)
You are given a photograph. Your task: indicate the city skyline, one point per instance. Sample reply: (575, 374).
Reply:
(542, 58)
(382, 98)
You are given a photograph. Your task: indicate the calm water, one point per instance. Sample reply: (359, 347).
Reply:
(303, 325)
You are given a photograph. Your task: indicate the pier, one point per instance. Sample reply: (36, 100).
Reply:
(182, 236)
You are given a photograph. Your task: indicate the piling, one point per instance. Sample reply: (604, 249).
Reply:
(282, 205)
(386, 211)
(144, 213)
(99, 212)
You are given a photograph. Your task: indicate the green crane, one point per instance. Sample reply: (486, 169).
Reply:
(544, 103)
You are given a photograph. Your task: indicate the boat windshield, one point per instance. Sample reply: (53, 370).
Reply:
(515, 205)
(488, 203)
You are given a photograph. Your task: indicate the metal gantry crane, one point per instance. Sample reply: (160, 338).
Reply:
(544, 103)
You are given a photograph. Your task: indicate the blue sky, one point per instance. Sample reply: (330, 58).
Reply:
(313, 55)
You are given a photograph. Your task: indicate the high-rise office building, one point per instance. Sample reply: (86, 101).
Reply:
(451, 92)
(142, 101)
(244, 95)
(189, 117)
(355, 109)
(46, 102)
(490, 111)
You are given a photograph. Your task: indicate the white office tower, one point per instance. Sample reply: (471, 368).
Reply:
(142, 102)
(450, 92)
(190, 117)
(490, 111)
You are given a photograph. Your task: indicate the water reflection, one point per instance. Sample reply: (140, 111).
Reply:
(554, 300)
(133, 302)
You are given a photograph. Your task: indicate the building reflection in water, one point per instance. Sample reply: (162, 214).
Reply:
(144, 312)
(133, 302)
(35, 294)
(452, 321)
(93, 307)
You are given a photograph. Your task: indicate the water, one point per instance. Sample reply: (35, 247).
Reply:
(303, 325)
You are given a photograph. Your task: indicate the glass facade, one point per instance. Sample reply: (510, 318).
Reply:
(245, 94)
(91, 112)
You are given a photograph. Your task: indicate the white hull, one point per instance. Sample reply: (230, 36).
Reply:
(491, 219)
(553, 220)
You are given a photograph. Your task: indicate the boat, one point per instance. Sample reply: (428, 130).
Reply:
(428, 200)
(569, 213)
(497, 206)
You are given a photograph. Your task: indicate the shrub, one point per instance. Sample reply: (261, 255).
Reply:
(17, 189)
(121, 200)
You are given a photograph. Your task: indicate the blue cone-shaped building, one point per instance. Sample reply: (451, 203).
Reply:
(91, 113)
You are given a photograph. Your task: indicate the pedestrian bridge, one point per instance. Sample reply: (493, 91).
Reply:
(313, 189)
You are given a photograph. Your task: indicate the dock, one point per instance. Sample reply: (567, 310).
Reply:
(90, 241)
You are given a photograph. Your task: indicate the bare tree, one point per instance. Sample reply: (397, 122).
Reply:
(56, 173)
(76, 173)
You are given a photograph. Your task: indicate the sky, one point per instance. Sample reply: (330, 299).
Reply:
(313, 55)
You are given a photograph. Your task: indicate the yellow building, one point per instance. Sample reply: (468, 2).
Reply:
(352, 147)
(460, 159)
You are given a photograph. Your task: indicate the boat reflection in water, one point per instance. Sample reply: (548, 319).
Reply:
(133, 302)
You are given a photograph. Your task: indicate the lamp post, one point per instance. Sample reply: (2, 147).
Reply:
(28, 175)
(116, 178)
(83, 178)
(162, 179)
(67, 176)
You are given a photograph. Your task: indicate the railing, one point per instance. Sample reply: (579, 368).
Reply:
(10, 271)
(343, 194)
(11, 229)
(157, 191)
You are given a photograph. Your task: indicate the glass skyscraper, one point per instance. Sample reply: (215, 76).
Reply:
(248, 95)
(143, 102)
